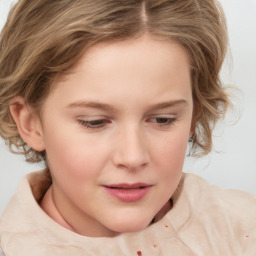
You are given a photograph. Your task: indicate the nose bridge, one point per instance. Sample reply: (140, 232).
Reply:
(131, 151)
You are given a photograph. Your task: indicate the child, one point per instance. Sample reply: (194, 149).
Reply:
(108, 93)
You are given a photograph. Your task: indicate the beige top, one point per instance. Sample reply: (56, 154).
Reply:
(204, 220)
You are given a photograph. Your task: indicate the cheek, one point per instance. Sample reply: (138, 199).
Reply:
(71, 157)
(171, 153)
(174, 144)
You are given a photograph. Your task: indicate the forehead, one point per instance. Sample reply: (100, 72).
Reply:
(134, 50)
(119, 69)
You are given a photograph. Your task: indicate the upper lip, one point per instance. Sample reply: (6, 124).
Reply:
(128, 185)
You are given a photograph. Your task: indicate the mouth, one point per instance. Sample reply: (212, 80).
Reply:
(128, 192)
(128, 186)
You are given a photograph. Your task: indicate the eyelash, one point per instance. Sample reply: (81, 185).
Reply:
(168, 121)
(97, 124)
(94, 124)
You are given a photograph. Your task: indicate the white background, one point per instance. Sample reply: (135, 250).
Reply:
(235, 163)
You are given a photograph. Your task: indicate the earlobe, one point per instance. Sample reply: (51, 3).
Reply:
(28, 124)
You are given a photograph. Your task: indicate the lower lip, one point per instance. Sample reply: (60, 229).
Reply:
(128, 195)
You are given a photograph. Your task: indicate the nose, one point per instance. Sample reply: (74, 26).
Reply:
(131, 150)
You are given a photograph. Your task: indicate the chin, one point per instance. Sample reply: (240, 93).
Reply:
(131, 225)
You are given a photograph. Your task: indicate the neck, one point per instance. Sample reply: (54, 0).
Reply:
(49, 207)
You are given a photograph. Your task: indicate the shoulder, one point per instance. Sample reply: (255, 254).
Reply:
(23, 207)
(214, 219)
(196, 186)
(22, 218)
(231, 207)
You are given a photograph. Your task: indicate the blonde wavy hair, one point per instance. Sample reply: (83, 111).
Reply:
(43, 39)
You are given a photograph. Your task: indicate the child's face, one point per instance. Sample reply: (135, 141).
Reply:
(115, 131)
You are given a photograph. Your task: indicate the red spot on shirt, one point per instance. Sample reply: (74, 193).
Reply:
(139, 253)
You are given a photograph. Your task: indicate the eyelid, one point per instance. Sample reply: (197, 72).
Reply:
(162, 115)
(93, 123)
(170, 119)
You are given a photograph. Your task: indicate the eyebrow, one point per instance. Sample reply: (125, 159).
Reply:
(168, 104)
(107, 107)
(96, 105)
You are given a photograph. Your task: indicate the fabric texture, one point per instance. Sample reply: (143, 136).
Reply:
(204, 220)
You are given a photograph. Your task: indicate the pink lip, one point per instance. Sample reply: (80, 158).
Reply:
(128, 192)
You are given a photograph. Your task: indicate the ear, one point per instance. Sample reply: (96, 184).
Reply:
(28, 123)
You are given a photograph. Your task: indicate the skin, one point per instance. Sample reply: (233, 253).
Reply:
(122, 115)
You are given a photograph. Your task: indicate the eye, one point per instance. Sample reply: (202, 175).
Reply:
(162, 121)
(94, 124)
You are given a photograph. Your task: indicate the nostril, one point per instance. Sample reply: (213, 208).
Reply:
(131, 163)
